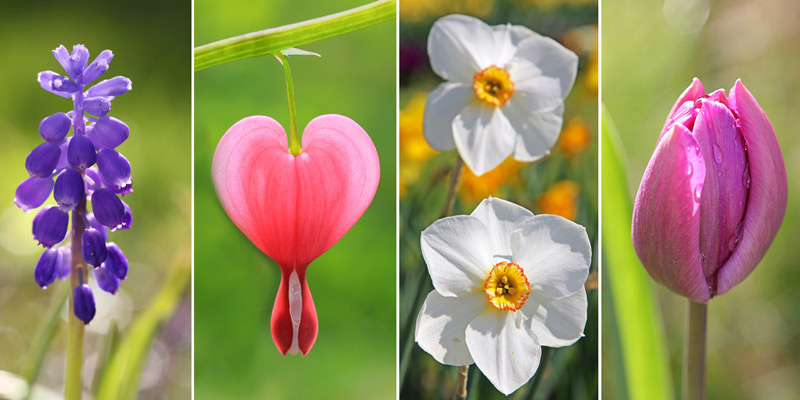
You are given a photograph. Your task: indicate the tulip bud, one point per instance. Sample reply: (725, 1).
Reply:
(713, 195)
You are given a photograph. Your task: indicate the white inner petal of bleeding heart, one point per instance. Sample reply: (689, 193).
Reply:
(295, 309)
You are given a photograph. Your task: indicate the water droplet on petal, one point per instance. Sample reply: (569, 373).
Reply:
(688, 169)
(717, 154)
(698, 192)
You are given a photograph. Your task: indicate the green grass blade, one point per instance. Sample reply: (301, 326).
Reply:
(120, 380)
(270, 41)
(40, 343)
(643, 346)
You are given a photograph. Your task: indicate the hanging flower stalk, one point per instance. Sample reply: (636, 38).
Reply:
(86, 176)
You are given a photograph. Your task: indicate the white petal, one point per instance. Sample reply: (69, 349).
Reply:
(456, 250)
(557, 323)
(441, 324)
(519, 33)
(441, 108)
(504, 48)
(503, 349)
(555, 254)
(500, 216)
(553, 59)
(484, 137)
(536, 132)
(532, 90)
(459, 46)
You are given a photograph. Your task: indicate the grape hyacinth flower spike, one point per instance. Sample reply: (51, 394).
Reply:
(81, 169)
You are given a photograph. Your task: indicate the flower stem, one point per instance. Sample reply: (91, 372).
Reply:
(455, 176)
(694, 354)
(72, 385)
(461, 388)
(294, 140)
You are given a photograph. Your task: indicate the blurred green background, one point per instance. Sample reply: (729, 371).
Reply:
(651, 51)
(353, 283)
(151, 43)
(564, 184)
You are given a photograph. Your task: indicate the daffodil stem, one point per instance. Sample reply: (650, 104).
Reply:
(461, 388)
(294, 140)
(75, 333)
(694, 353)
(455, 177)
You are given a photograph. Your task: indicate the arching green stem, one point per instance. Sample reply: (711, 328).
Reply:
(294, 139)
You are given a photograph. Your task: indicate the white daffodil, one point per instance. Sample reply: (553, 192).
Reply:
(504, 93)
(506, 283)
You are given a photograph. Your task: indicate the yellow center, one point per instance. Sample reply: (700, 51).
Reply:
(507, 286)
(493, 85)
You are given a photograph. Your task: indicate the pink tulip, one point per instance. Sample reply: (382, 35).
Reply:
(713, 195)
(294, 208)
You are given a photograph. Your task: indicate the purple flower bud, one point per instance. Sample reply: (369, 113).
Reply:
(116, 86)
(62, 56)
(106, 280)
(42, 160)
(116, 263)
(97, 68)
(108, 132)
(98, 226)
(93, 247)
(713, 195)
(55, 127)
(127, 220)
(33, 192)
(54, 83)
(99, 106)
(63, 268)
(73, 63)
(69, 189)
(108, 208)
(116, 171)
(80, 152)
(83, 299)
(36, 220)
(46, 268)
(51, 228)
(93, 180)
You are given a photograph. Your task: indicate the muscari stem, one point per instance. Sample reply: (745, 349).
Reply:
(461, 388)
(72, 382)
(694, 354)
(294, 140)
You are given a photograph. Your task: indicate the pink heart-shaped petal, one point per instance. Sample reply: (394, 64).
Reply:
(294, 208)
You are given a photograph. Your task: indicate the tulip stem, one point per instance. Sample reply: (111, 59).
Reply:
(694, 354)
(455, 176)
(294, 140)
(75, 333)
(461, 388)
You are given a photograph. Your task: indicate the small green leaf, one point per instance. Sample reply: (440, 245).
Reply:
(40, 343)
(275, 40)
(642, 346)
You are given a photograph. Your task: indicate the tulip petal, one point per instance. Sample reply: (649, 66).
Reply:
(766, 203)
(500, 218)
(504, 350)
(559, 322)
(441, 326)
(441, 108)
(692, 93)
(456, 250)
(484, 137)
(666, 215)
(551, 58)
(459, 46)
(554, 252)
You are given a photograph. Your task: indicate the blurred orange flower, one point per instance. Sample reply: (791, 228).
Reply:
(575, 138)
(418, 10)
(473, 188)
(560, 199)
(414, 150)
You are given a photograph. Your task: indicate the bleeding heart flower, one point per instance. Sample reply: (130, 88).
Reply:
(294, 208)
